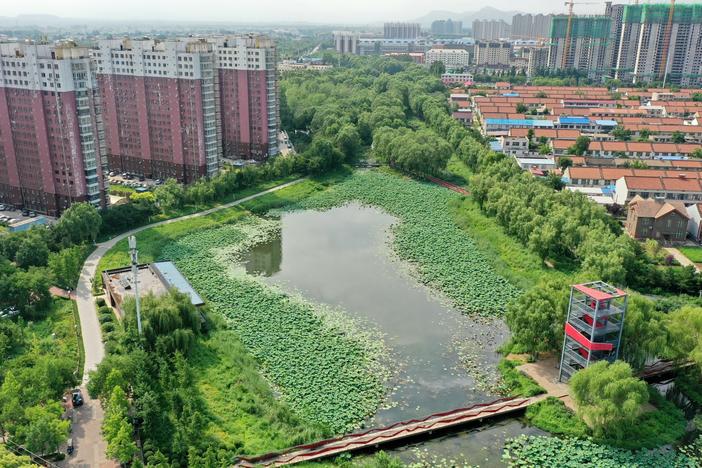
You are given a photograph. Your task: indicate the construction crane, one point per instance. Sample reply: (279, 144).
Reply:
(569, 28)
(665, 56)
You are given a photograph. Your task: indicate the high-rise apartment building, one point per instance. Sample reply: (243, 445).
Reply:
(49, 144)
(528, 26)
(451, 58)
(493, 53)
(490, 30)
(586, 49)
(248, 87)
(447, 27)
(159, 107)
(649, 50)
(401, 30)
(346, 42)
(537, 59)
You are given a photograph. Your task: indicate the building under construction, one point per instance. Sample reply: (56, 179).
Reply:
(633, 43)
(661, 43)
(580, 43)
(594, 325)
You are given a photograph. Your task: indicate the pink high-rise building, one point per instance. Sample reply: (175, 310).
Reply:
(49, 127)
(160, 107)
(248, 88)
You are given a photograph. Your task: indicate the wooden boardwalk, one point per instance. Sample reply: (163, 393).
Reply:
(395, 432)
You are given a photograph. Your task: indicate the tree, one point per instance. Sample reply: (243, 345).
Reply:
(678, 137)
(541, 95)
(169, 195)
(621, 133)
(10, 460)
(437, 68)
(78, 224)
(565, 162)
(522, 108)
(122, 447)
(45, 429)
(582, 143)
(644, 134)
(684, 328)
(65, 265)
(348, 141)
(608, 397)
(11, 412)
(697, 153)
(536, 318)
(644, 334)
(33, 251)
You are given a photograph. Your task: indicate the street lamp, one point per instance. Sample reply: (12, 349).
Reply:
(134, 253)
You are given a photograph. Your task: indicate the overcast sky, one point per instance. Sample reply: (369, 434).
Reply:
(316, 11)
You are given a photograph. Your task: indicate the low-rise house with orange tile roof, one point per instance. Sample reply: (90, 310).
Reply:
(682, 188)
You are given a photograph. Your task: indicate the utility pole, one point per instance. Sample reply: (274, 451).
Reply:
(134, 253)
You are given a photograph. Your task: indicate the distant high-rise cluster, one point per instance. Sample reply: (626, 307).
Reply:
(528, 26)
(490, 30)
(401, 30)
(153, 108)
(634, 43)
(447, 27)
(346, 42)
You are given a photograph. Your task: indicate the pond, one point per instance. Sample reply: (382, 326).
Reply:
(342, 257)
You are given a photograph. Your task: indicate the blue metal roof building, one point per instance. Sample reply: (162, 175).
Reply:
(573, 121)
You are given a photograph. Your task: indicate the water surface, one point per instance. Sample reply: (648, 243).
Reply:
(342, 257)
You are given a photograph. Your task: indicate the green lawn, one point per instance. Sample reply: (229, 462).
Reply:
(693, 253)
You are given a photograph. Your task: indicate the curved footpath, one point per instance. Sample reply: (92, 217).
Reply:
(89, 445)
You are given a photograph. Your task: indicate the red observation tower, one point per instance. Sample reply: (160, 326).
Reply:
(593, 329)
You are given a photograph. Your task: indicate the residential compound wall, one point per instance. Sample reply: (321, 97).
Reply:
(49, 125)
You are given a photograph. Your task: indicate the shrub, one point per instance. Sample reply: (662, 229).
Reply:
(514, 382)
(100, 302)
(105, 318)
(104, 310)
(108, 327)
(552, 415)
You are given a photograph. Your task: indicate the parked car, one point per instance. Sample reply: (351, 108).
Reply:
(77, 397)
(2, 207)
(25, 212)
(32, 214)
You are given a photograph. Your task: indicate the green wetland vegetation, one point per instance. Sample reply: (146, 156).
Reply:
(271, 368)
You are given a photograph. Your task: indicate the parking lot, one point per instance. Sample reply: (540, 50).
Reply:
(132, 181)
(10, 215)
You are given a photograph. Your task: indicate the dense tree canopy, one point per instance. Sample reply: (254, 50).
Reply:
(608, 397)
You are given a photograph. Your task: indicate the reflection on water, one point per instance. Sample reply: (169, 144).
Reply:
(341, 257)
(264, 259)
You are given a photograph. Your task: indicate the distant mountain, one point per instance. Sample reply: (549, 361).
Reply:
(487, 13)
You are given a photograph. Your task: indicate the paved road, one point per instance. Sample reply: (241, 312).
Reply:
(87, 438)
(681, 258)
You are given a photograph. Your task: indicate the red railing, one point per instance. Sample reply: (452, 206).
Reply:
(448, 185)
